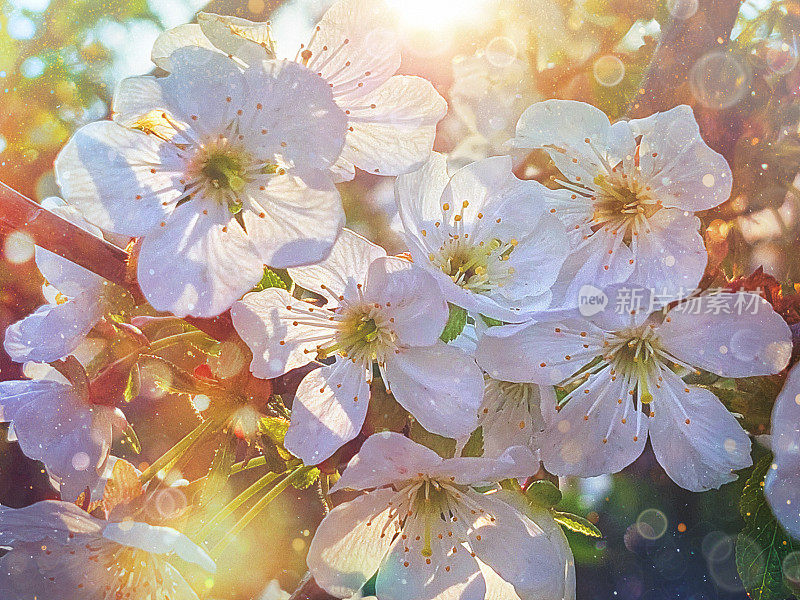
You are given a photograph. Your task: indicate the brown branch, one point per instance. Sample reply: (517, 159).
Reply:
(683, 43)
(51, 232)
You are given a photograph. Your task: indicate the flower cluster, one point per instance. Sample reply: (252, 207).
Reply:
(506, 321)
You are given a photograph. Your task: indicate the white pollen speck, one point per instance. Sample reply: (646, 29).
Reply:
(708, 180)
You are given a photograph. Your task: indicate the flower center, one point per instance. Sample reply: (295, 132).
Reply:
(363, 335)
(225, 170)
(623, 204)
(479, 268)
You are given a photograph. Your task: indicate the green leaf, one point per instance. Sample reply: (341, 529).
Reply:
(490, 322)
(762, 544)
(129, 436)
(219, 472)
(474, 445)
(306, 479)
(576, 524)
(543, 493)
(271, 279)
(455, 323)
(274, 428)
(134, 384)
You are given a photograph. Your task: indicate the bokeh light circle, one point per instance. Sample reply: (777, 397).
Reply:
(608, 70)
(651, 524)
(682, 9)
(719, 80)
(501, 52)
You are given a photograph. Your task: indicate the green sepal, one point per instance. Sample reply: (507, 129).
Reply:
(543, 493)
(271, 279)
(456, 321)
(129, 436)
(133, 386)
(306, 480)
(576, 524)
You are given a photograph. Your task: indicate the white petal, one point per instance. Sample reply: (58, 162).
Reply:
(561, 127)
(53, 330)
(411, 299)
(595, 433)
(393, 126)
(246, 40)
(517, 549)
(720, 334)
(386, 458)
(419, 199)
(345, 267)
(545, 353)
(47, 519)
(281, 338)
(158, 540)
(670, 257)
(506, 421)
(439, 385)
(197, 264)
(516, 462)
(782, 487)
(348, 546)
(354, 48)
(681, 169)
(105, 171)
(302, 122)
(302, 217)
(694, 437)
(188, 34)
(449, 573)
(328, 410)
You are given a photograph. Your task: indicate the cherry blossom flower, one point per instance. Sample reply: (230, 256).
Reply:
(624, 376)
(429, 534)
(77, 300)
(391, 118)
(485, 236)
(380, 309)
(783, 479)
(55, 423)
(630, 191)
(219, 171)
(60, 552)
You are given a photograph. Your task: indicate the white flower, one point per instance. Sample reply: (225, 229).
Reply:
(430, 535)
(380, 309)
(630, 191)
(219, 172)
(625, 371)
(391, 118)
(782, 486)
(55, 423)
(485, 236)
(59, 552)
(77, 300)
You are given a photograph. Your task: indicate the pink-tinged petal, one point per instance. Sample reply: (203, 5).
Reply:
(411, 299)
(351, 542)
(670, 254)
(156, 539)
(386, 458)
(282, 332)
(188, 34)
(439, 385)
(516, 462)
(545, 353)
(354, 48)
(344, 268)
(694, 437)
(328, 410)
(681, 170)
(516, 548)
(449, 573)
(782, 487)
(295, 220)
(730, 334)
(596, 432)
(53, 330)
(119, 178)
(197, 264)
(247, 41)
(392, 127)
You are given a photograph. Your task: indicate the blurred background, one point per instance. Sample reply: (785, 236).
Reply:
(61, 59)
